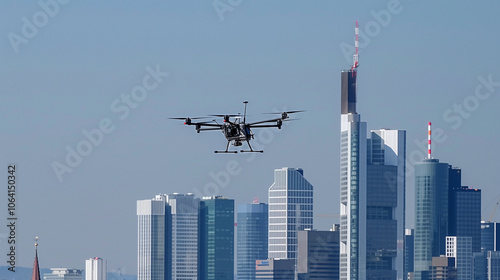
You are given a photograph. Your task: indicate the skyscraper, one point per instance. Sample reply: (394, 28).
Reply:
(252, 241)
(352, 183)
(95, 269)
(490, 235)
(409, 245)
(460, 248)
(431, 213)
(465, 214)
(216, 238)
(185, 213)
(154, 242)
(290, 210)
(318, 254)
(386, 158)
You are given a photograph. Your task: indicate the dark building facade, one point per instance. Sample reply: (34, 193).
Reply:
(318, 254)
(276, 269)
(216, 238)
(252, 241)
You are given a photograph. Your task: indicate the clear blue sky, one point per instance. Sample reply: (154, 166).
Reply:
(64, 69)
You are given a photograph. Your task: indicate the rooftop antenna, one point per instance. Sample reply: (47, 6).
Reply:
(355, 57)
(256, 200)
(429, 142)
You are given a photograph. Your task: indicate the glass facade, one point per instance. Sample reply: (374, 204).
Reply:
(153, 242)
(252, 241)
(431, 213)
(460, 248)
(465, 214)
(489, 236)
(290, 210)
(318, 254)
(216, 238)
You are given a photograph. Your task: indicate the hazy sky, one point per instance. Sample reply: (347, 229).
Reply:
(70, 68)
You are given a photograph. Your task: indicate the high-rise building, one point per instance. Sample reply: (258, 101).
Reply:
(275, 269)
(216, 238)
(252, 238)
(64, 274)
(352, 183)
(385, 202)
(95, 269)
(318, 256)
(479, 265)
(489, 236)
(464, 209)
(493, 265)
(460, 248)
(409, 245)
(185, 237)
(290, 210)
(154, 242)
(431, 213)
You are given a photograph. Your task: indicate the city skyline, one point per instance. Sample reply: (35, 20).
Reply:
(64, 79)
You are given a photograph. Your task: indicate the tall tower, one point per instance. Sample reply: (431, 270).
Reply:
(385, 206)
(290, 210)
(252, 238)
(431, 213)
(216, 238)
(95, 269)
(352, 180)
(154, 245)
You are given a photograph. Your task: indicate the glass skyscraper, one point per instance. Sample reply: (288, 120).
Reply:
(431, 213)
(385, 204)
(154, 244)
(352, 183)
(216, 238)
(489, 236)
(290, 210)
(252, 241)
(465, 215)
(460, 248)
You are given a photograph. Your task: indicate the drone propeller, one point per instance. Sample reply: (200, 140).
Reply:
(284, 115)
(188, 119)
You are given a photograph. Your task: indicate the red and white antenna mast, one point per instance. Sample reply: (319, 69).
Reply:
(429, 142)
(355, 57)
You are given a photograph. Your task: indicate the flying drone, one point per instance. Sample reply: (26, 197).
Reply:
(237, 130)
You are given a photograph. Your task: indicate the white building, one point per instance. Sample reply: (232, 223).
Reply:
(460, 248)
(95, 269)
(290, 210)
(64, 274)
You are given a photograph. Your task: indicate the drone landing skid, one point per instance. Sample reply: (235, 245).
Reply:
(251, 151)
(225, 152)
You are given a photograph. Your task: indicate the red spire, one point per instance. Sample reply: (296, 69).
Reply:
(36, 268)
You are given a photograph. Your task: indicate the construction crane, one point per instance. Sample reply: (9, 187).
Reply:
(494, 210)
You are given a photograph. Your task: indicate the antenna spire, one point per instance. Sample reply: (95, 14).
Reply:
(245, 114)
(355, 57)
(429, 142)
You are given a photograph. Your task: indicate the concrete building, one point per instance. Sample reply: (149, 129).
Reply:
(96, 269)
(64, 274)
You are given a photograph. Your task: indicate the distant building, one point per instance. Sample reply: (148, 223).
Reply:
(385, 204)
(318, 256)
(290, 210)
(460, 248)
(443, 268)
(409, 243)
(95, 269)
(493, 264)
(64, 274)
(276, 269)
(465, 213)
(216, 238)
(154, 242)
(479, 266)
(489, 236)
(185, 221)
(431, 213)
(252, 238)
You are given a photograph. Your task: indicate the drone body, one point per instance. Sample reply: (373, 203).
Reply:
(237, 131)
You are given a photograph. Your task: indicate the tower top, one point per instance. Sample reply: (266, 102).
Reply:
(355, 57)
